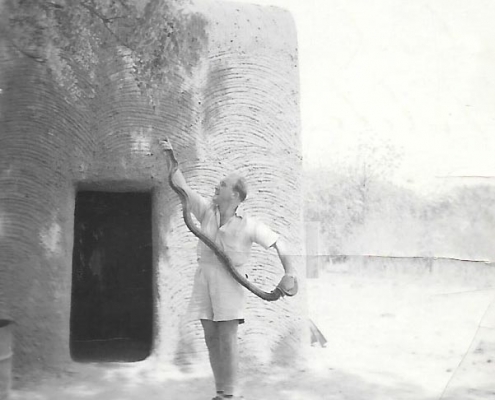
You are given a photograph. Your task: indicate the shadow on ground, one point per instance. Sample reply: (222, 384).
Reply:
(121, 383)
(331, 384)
(485, 393)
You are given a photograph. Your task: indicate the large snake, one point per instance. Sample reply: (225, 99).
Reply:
(275, 294)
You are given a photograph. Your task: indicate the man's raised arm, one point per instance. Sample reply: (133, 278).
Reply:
(179, 179)
(197, 202)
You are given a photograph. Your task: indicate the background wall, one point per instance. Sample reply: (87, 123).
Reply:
(86, 91)
(251, 125)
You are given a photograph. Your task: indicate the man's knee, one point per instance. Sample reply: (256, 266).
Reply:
(211, 333)
(227, 330)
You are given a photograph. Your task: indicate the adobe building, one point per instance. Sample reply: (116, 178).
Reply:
(96, 261)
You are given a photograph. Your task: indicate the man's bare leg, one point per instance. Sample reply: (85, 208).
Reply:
(229, 354)
(212, 340)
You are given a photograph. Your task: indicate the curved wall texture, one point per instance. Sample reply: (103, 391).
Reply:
(82, 106)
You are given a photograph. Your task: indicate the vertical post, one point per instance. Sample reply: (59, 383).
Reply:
(5, 358)
(312, 249)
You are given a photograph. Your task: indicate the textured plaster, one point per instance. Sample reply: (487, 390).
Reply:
(51, 238)
(87, 102)
(3, 223)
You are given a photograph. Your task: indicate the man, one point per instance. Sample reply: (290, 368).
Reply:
(217, 299)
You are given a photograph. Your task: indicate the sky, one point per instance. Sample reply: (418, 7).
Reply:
(417, 77)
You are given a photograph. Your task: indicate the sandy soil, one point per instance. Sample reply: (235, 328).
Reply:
(390, 336)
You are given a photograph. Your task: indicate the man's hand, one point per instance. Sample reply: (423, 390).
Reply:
(165, 145)
(179, 179)
(288, 285)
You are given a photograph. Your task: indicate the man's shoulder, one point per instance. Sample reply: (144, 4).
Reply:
(251, 221)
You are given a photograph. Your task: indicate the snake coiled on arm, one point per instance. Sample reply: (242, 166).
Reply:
(275, 294)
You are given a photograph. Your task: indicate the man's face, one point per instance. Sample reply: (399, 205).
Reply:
(224, 192)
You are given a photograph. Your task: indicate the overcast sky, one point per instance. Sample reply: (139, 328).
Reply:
(417, 75)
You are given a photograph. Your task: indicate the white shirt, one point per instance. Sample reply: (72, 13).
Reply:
(235, 237)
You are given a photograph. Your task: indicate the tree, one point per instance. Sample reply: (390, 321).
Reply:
(343, 195)
(155, 37)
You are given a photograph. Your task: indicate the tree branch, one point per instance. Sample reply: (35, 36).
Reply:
(93, 11)
(26, 53)
(52, 4)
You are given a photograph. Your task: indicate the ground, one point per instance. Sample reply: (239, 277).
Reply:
(391, 336)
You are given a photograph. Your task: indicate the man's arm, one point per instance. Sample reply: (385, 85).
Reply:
(288, 284)
(179, 179)
(285, 257)
(197, 202)
(267, 238)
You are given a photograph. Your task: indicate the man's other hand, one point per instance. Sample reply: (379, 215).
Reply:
(288, 285)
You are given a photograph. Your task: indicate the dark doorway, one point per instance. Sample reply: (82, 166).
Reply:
(112, 303)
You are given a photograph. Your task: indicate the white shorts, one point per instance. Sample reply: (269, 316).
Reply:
(216, 295)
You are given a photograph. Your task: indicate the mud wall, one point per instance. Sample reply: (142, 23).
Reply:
(84, 98)
(250, 93)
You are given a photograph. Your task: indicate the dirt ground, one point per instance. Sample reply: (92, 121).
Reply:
(391, 336)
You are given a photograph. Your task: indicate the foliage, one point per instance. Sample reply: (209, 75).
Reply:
(70, 36)
(461, 222)
(397, 221)
(342, 198)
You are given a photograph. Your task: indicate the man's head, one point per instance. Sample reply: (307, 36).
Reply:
(231, 190)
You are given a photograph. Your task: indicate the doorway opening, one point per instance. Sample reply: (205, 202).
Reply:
(111, 300)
